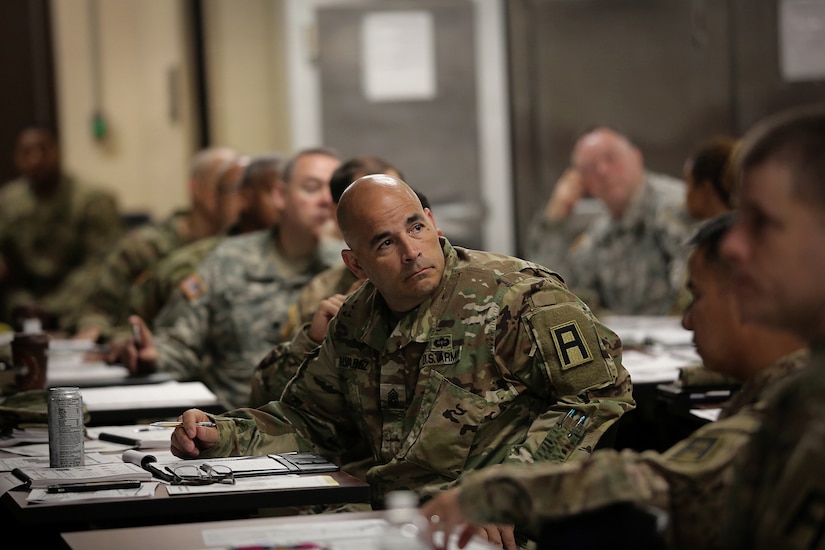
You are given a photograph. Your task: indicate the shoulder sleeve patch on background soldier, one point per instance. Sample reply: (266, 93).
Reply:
(193, 287)
(569, 347)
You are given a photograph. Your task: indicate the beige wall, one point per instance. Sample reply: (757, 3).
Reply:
(245, 75)
(146, 153)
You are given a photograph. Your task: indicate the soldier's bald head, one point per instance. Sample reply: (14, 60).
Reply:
(365, 195)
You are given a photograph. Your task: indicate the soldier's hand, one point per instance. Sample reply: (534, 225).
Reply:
(116, 349)
(445, 515)
(567, 192)
(189, 439)
(499, 535)
(140, 354)
(326, 311)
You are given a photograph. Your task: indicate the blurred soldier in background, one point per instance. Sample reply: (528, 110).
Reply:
(214, 208)
(629, 259)
(258, 210)
(53, 229)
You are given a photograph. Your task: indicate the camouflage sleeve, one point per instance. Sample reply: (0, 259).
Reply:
(548, 242)
(98, 228)
(106, 306)
(278, 367)
(155, 286)
(565, 355)
(688, 481)
(101, 226)
(312, 415)
(581, 273)
(149, 294)
(529, 494)
(181, 327)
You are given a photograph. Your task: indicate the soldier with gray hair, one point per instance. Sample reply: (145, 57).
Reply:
(446, 360)
(628, 259)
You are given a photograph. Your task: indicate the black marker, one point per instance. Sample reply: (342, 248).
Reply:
(142, 366)
(119, 439)
(136, 335)
(22, 476)
(92, 486)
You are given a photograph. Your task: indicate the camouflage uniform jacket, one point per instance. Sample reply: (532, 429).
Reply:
(632, 266)
(281, 364)
(225, 317)
(690, 480)
(502, 363)
(778, 494)
(43, 241)
(106, 299)
(155, 285)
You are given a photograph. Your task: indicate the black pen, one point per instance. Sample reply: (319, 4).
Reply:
(119, 439)
(136, 335)
(92, 486)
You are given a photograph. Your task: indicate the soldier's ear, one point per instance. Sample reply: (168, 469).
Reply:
(353, 264)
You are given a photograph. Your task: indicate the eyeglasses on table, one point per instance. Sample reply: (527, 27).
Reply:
(205, 474)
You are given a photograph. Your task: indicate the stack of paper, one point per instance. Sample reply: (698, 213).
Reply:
(40, 477)
(177, 394)
(139, 436)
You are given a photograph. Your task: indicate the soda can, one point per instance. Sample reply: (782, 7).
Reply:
(65, 415)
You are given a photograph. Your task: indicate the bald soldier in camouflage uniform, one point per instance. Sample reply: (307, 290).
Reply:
(691, 479)
(52, 227)
(257, 211)
(776, 248)
(445, 360)
(213, 209)
(225, 317)
(629, 260)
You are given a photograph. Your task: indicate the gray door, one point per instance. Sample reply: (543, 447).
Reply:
(431, 136)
